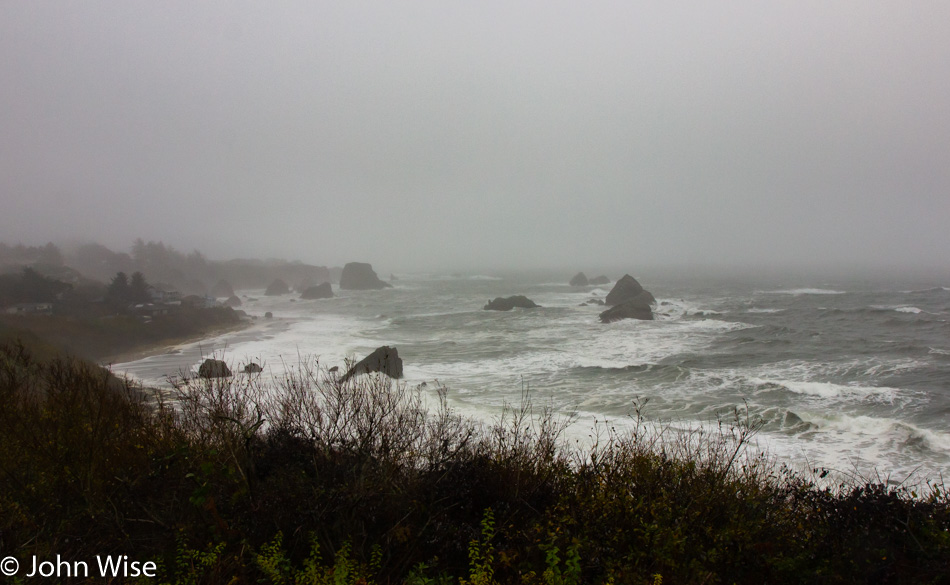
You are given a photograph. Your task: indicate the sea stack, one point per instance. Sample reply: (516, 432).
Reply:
(360, 276)
(628, 300)
(278, 287)
(384, 359)
(321, 291)
(508, 303)
(580, 279)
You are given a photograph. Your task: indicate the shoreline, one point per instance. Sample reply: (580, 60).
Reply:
(173, 357)
(168, 345)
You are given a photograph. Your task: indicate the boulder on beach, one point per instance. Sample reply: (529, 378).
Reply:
(580, 279)
(627, 288)
(268, 315)
(222, 289)
(321, 291)
(599, 280)
(508, 303)
(233, 301)
(384, 359)
(253, 368)
(212, 368)
(360, 276)
(278, 287)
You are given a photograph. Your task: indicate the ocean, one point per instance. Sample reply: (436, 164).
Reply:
(847, 375)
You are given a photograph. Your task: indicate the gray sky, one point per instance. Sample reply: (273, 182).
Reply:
(420, 135)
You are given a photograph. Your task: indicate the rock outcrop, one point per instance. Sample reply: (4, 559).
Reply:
(321, 291)
(384, 359)
(599, 280)
(632, 309)
(214, 369)
(278, 287)
(628, 300)
(627, 288)
(360, 276)
(222, 289)
(508, 303)
(233, 301)
(253, 368)
(580, 279)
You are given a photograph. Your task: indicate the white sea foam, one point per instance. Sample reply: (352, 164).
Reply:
(802, 291)
(829, 390)
(763, 310)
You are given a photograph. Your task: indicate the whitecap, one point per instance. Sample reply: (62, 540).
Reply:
(802, 291)
(828, 389)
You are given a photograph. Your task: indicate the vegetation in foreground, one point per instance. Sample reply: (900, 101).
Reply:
(309, 479)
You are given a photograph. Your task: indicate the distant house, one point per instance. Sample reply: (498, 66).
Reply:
(30, 309)
(163, 295)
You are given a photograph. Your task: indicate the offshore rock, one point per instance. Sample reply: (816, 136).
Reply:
(508, 303)
(233, 301)
(599, 280)
(384, 359)
(214, 369)
(321, 291)
(360, 276)
(627, 288)
(580, 279)
(253, 368)
(635, 308)
(278, 287)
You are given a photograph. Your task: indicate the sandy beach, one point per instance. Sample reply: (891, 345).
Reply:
(156, 365)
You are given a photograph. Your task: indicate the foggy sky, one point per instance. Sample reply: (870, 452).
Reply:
(427, 135)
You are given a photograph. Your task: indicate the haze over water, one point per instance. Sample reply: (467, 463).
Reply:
(848, 375)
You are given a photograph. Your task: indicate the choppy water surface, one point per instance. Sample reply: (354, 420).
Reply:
(854, 376)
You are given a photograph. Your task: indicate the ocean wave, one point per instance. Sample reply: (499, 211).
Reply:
(483, 277)
(898, 308)
(936, 289)
(763, 310)
(827, 389)
(802, 291)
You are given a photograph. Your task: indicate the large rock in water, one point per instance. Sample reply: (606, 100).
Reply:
(628, 300)
(626, 288)
(384, 359)
(321, 291)
(599, 280)
(214, 369)
(580, 279)
(233, 301)
(360, 276)
(636, 308)
(278, 287)
(508, 303)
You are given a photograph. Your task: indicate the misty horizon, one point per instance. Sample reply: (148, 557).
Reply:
(432, 136)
